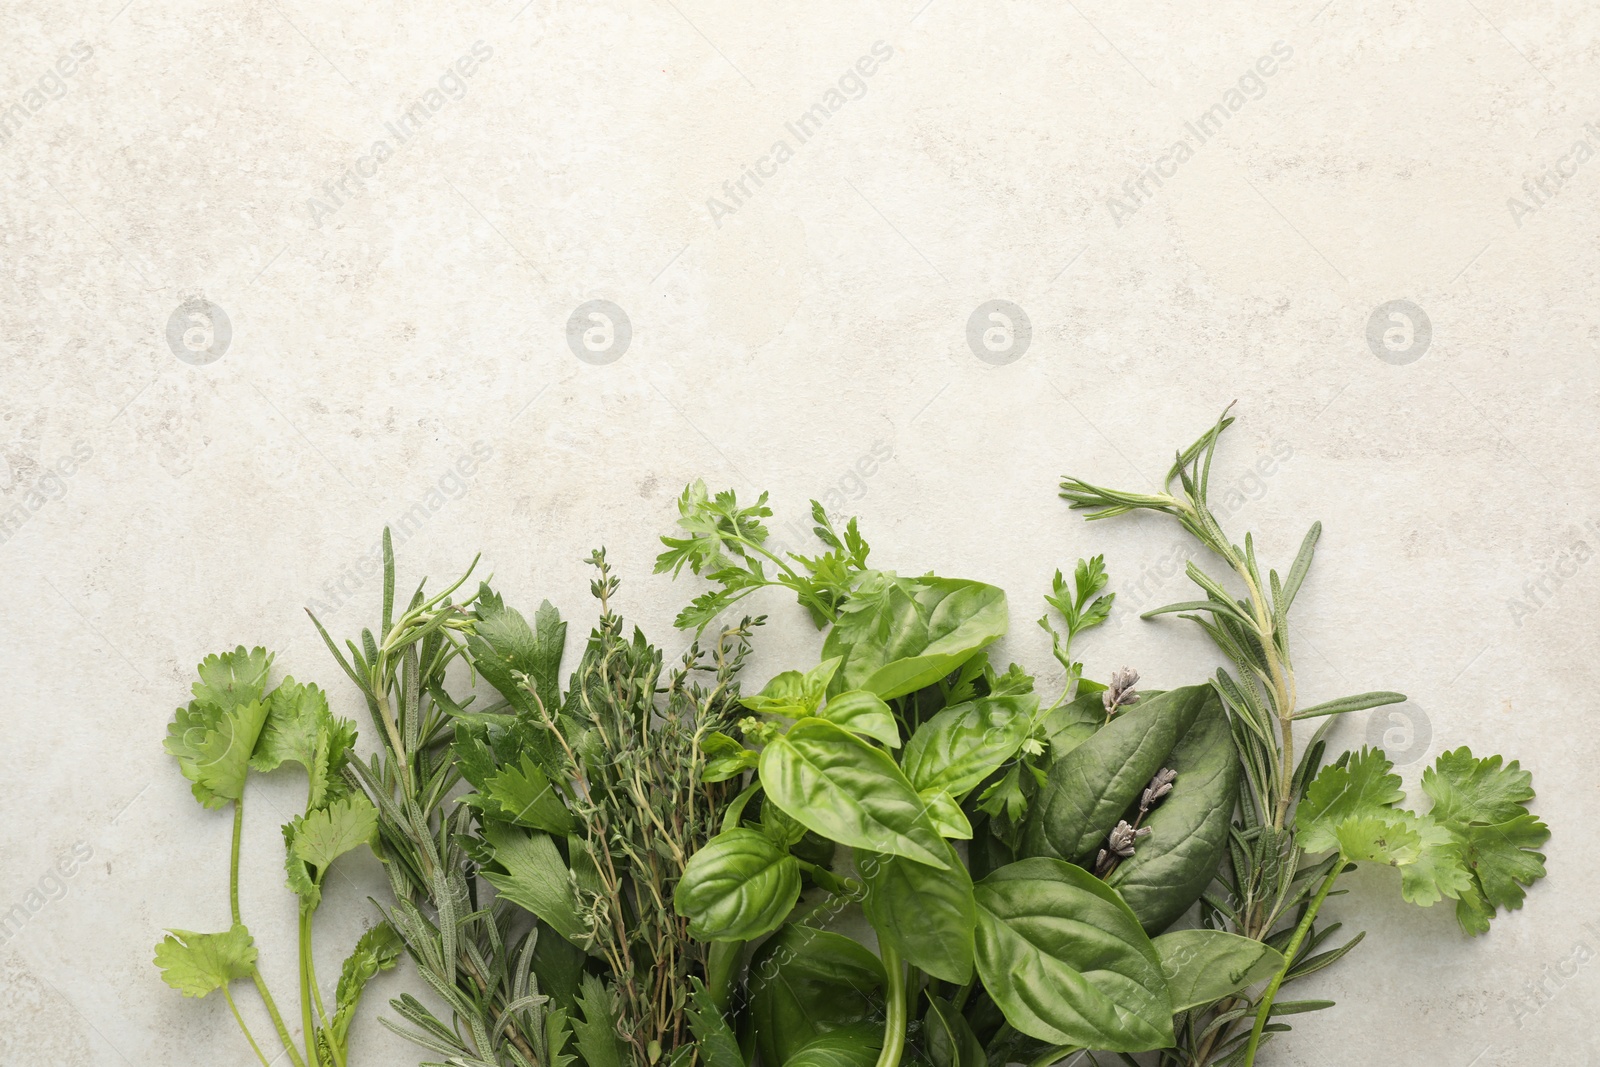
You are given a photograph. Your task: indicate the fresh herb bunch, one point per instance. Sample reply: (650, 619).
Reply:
(904, 739)
(1476, 845)
(234, 725)
(480, 954)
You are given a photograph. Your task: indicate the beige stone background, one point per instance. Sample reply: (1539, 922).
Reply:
(165, 499)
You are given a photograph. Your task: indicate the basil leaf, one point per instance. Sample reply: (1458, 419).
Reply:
(862, 712)
(1204, 966)
(946, 815)
(1188, 837)
(739, 886)
(792, 694)
(1071, 724)
(962, 745)
(855, 1046)
(949, 1038)
(903, 634)
(805, 983)
(928, 915)
(831, 781)
(1091, 787)
(1066, 960)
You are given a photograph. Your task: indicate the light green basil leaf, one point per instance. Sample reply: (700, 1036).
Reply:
(1204, 966)
(903, 634)
(1172, 866)
(1067, 962)
(946, 814)
(739, 886)
(725, 758)
(792, 694)
(831, 781)
(862, 712)
(962, 745)
(928, 915)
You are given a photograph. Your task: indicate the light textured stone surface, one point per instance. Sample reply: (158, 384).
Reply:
(383, 332)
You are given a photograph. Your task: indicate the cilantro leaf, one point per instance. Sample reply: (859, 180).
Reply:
(1503, 861)
(196, 964)
(1470, 790)
(231, 678)
(213, 747)
(1376, 839)
(294, 713)
(1358, 784)
(378, 950)
(1440, 869)
(325, 834)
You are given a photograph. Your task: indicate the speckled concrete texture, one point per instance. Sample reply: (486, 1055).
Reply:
(275, 273)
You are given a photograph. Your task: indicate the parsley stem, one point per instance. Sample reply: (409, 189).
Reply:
(233, 861)
(1288, 961)
(277, 1019)
(307, 983)
(894, 1026)
(240, 1020)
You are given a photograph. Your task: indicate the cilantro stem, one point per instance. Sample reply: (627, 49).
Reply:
(894, 1026)
(307, 984)
(240, 1020)
(1289, 952)
(233, 860)
(277, 1019)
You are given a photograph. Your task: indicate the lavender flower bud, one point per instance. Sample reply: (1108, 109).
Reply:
(1121, 691)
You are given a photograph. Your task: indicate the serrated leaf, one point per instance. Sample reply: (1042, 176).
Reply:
(1503, 861)
(596, 1032)
(1375, 839)
(325, 834)
(377, 950)
(231, 678)
(195, 964)
(1440, 869)
(526, 797)
(214, 746)
(1470, 790)
(1357, 784)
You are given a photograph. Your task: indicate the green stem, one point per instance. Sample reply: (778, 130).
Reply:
(722, 971)
(1056, 1054)
(307, 984)
(1288, 961)
(894, 1026)
(277, 1019)
(233, 860)
(311, 969)
(247, 1035)
(822, 609)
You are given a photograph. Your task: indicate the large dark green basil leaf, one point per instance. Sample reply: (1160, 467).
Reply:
(739, 886)
(831, 781)
(1188, 837)
(805, 983)
(962, 745)
(1066, 960)
(1091, 787)
(898, 635)
(928, 915)
(1203, 966)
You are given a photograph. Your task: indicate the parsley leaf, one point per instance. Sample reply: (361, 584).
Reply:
(196, 964)
(1358, 784)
